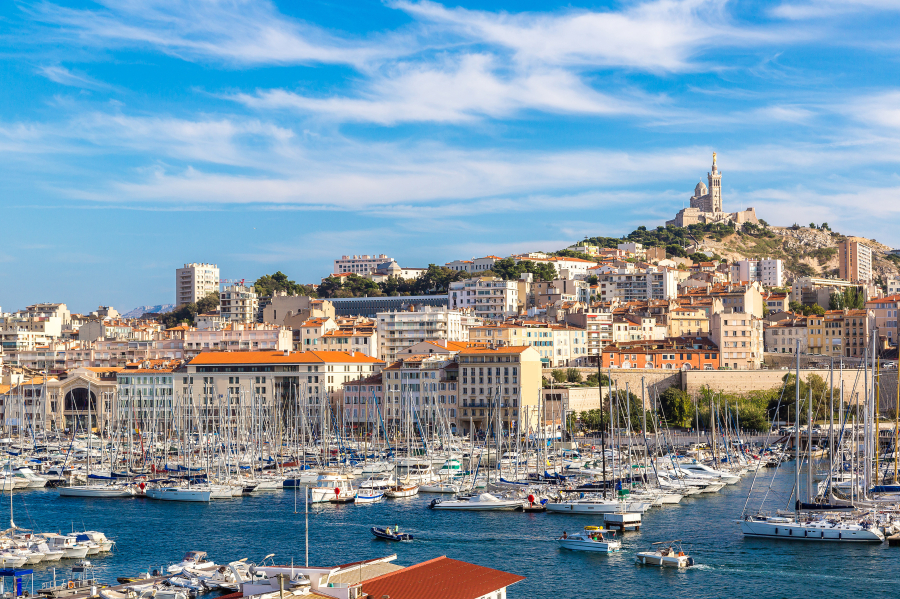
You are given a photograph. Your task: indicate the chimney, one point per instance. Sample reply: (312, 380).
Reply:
(287, 352)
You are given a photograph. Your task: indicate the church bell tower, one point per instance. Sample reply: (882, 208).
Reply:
(715, 187)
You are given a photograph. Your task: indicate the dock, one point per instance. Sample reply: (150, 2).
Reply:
(622, 521)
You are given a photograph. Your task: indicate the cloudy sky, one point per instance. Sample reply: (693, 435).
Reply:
(137, 135)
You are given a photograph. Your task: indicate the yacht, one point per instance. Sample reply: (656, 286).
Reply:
(368, 495)
(857, 530)
(479, 503)
(193, 494)
(404, 489)
(103, 491)
(70, 548)
(596, 505)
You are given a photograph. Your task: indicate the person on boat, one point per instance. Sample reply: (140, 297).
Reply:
(565, 536)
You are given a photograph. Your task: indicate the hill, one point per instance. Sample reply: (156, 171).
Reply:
(806, 251)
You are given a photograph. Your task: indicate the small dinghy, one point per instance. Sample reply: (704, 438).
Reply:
(391, 535)
(665, 553)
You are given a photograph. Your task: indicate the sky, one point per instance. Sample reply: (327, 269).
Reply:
(139, 135)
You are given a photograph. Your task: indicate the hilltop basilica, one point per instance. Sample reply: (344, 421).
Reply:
(706, 205)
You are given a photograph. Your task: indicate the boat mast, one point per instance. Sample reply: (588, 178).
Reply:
(797, 435)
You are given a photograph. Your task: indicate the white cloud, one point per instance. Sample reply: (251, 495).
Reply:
(880, 109)
(458, 90)
(64, 76)
(246, 32)
(659, 35)
(825, 9)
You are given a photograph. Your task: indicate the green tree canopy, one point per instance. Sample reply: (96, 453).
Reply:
(269, 284)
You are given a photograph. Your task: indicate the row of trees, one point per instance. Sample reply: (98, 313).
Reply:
(754, 411)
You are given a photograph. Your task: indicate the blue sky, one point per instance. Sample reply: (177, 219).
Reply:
(137, 135)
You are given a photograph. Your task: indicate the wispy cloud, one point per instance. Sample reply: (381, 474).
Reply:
(241, 32)
(63, 76)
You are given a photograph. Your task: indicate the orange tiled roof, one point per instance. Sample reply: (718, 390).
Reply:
(268, 357)
(440, 578)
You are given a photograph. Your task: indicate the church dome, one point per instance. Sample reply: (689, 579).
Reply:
(700, 190)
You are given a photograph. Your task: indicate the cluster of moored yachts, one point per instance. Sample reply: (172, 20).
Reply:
(23, 548)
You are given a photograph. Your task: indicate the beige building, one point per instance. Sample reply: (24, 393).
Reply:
(292, 310)
(885, 314)
(195, 281)
(707, 206)
(399, 330)
(739, 336)
(507, 379)
(559, 401)
(238, 303)
(782, 337)
(687, 321)
(237, 337)
(855, 262)
(359, 264)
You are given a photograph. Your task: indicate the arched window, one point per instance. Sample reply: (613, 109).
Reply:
(77, 400)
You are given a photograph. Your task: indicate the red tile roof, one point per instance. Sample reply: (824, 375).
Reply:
(440, 578)
(268, 357)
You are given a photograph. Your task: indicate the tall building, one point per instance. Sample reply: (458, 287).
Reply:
(399, 330)
(238, 303)
(487, 297)
(769, 272)
(195, 281)
(855, 261)
(360, 265)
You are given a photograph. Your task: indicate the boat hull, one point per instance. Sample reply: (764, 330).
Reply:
(792, 531)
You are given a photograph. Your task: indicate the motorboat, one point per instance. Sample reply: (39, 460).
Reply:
(482, 503)
(665, 553)
(699, 469)
(596, 505)
(67, 544)
(592, 538)
(191, 559)
(330, 484)
(391, 535)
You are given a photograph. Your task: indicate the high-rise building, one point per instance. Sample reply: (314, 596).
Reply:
(769, 272)
(195, 281)
(238, 303)
(855, 261)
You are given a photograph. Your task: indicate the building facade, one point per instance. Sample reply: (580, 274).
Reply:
(195, 281)
(360, 265)
(855, 262)
(238, 303)
(486, 297)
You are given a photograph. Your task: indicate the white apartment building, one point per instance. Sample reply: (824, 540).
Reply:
(399, 330)
(474, 265)
(893, 285)
(238, 303)
(195, 281)
(769, 272)
(238, 337)
(486, 297)
(630, 284)
(632, 248)
(361, 265)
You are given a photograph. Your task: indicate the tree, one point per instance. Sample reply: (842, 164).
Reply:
(676, 407)
(795, 307)
(186, 312)
(593, 280)
(851, 298)
(593, 381)
(813, 226)
(269, 284)
(558, 375)
(825, 227)
(814, 309)
(573, 375)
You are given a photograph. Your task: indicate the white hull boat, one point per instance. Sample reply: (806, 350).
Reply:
(108, 491)
(592, 538)
(478, 503)
(179, 494)
(820, 530)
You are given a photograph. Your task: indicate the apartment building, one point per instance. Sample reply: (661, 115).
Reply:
(146, 394)
(855, 262)
(739, 337)
(598, 327)
(360, 265)
(195, 281)
(687, 321)
(893, 285)
(399, 330)
(626, 284)
(216, 380)
(238, 303)
(817, 290)
(237, 337)
(768, 271)
(308, 335)
(498, 384)
(678, 353)
(885, 316)
(421, 387)
(782, 337)
(486, 297)
(362, 339)
(482, 264)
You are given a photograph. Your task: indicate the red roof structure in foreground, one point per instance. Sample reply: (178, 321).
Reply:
(440, 578)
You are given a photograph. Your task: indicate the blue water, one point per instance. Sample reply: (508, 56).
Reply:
(153, 534)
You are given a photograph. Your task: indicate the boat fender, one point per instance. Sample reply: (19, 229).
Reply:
(71, 584)
(681, 554)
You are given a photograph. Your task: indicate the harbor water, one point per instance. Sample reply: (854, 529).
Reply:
(152, 534)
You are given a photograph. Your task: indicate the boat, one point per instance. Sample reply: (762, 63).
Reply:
(592, 538)
(102, 491)
(391, 535)
(665, 554)
(402, 490)
(191, 559)
(71, 549)
(440, 488)
(480, 503)
(178, 494)
(368, 496)
(819, 529)
(596, 505)
(328, 485)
